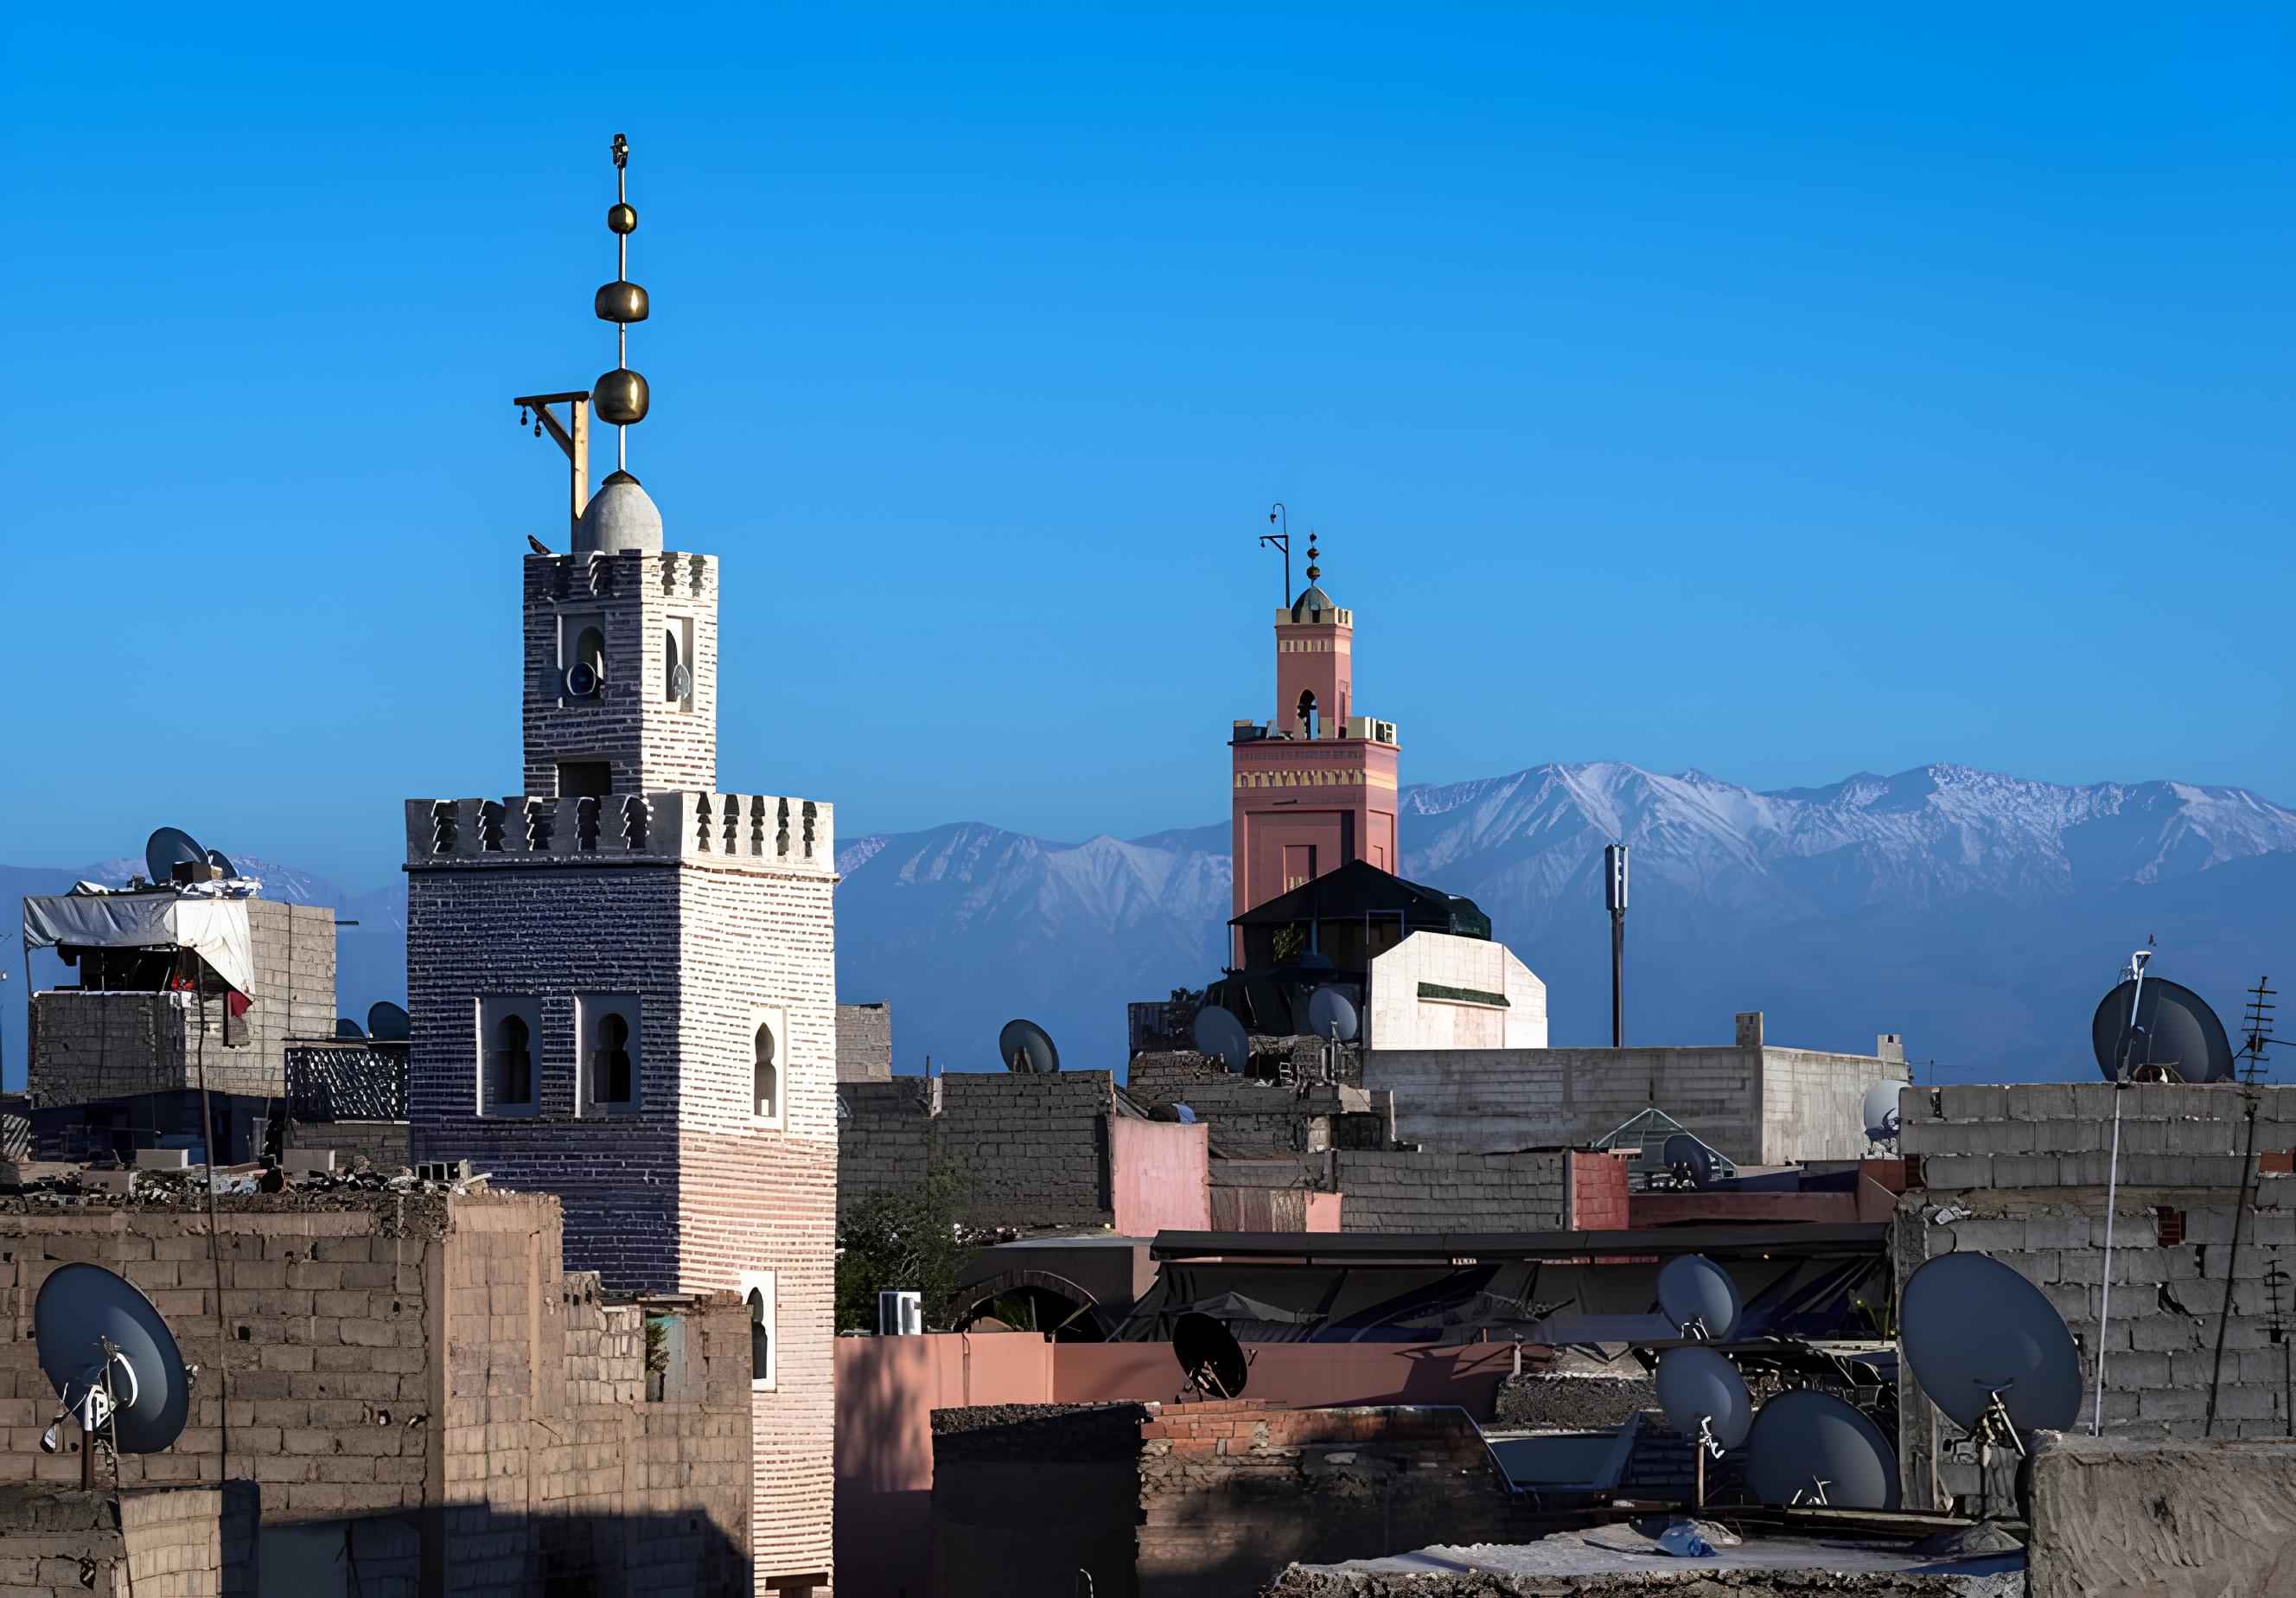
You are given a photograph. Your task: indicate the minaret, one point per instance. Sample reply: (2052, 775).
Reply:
(1314, 788)
(622, 981)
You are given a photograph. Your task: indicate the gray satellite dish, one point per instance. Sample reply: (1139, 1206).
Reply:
(1882, 1111)
(167, 848)
(1221, 1036)
(1702, 1391)
(1699, 1297)
(1971, 1329)
(222, 862)
(1209, 1355)
(2173, 1027)
(1331, 1015)
(385, 1023)
(112, 1359)
(1685, 1153)
(345, 1027)
(1810, 1447)
(1027, 1047)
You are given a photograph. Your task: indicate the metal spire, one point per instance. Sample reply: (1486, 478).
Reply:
(620, 396)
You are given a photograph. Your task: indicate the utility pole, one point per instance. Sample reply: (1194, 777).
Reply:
(1614, 891)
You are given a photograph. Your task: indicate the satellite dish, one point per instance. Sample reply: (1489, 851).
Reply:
(2173, 1027)
(1882, 1111)
(385, 1023)
(1702, 1392)
(112, 1359)
(222, 862)
(681, 682)
(1026, 1047)
(1811, 1447)
(1331, 1015)
(1209, 1356)
(1221, 1036)
(582, 680)
(1686, 1154)
(345, 1027)
(1699, 1297)
(1971, 1327)
(167, 848)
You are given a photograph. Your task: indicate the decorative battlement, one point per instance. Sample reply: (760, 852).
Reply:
(1337, 617)
(754, 832)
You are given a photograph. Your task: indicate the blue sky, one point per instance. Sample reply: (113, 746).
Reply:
(1776, 391)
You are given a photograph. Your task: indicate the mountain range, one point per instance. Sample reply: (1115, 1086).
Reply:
(1980, 915)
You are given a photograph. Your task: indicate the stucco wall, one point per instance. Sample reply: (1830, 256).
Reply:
(1407, 1013)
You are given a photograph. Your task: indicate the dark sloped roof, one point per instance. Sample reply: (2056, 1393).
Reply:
(1360, 889)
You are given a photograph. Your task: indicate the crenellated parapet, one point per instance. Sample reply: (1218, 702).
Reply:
(761, 832)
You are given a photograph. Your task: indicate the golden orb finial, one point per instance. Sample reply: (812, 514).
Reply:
(620, 396)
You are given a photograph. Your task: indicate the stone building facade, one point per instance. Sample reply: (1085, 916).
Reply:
(621, 985)
(416, 1387)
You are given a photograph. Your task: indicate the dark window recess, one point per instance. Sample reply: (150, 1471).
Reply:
(611, 1064)
(761, 1346)
(513, 1062)
(585, 778)
(2169, 1224)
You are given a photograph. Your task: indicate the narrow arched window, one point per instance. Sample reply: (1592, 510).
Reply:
(766, 1078)
(612, 1072)
(673, 666)
(514, 1061)
(1308, 713)
(761, 1339)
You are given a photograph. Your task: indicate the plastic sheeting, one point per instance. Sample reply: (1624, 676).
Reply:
(213, 928)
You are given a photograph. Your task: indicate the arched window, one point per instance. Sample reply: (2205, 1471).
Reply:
(766, 1079)
(1308, 713)
(673, 666)
(611, 1074)
(761, 1339)
(514, 1061)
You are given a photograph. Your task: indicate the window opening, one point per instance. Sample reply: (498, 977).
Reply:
(766, 1078)
(609, 1063)
(514, 1061)
(761, 1339)
(1308, 713)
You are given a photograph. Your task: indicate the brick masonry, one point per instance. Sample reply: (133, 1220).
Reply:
(58, 1542)
(1408, 1190)
(421, 1365)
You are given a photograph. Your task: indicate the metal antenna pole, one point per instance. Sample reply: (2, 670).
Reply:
(1280, 540)
(1615, 889)
(2137, 964)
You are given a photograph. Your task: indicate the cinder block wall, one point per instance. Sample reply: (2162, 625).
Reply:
(391, 1354)
(864, 1041)
(1428, 1190)
(58, 1542)
(1758, 1106)
(2030, 1162)
(1031, 1151)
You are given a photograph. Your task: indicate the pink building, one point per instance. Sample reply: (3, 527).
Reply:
(1314, 788)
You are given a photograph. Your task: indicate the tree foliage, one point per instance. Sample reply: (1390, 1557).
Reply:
(915, 1239)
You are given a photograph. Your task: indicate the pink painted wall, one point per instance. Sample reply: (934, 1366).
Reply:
(1324, 1211)
(1160, 1172)
(1295, 1375)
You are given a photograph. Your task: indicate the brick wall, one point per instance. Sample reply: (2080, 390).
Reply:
(2029, 1162)
(1218, 1496)
(1423, 1191)
(864, 1041)
(392, 1355)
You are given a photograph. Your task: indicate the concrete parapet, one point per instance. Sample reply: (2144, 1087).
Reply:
(2118, 1516)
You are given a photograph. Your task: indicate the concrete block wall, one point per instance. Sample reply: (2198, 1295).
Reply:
(1757, 1104)
(1417, 996)
(2029, 1163)
(392, 1355)
(1430, 1190)
(1032, 1152)
(58, 1542)
(864, 1041)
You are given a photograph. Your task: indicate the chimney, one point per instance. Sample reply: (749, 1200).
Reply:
(1749, 1029)
(1891, 1045)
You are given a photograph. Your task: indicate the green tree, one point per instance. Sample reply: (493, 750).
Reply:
(917, 1240)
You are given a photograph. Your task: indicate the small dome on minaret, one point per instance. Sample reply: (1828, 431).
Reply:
(620, 518)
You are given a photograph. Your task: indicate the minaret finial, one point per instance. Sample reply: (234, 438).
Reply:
(1314, 570)
(620, 396)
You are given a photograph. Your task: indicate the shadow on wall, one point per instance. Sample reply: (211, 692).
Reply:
(482, 1549)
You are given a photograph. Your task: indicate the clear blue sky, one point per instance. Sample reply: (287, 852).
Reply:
(1778, 391)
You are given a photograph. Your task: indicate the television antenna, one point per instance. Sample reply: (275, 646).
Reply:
(2256, 1029)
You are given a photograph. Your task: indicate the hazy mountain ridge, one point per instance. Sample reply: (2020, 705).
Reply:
(1980, 914)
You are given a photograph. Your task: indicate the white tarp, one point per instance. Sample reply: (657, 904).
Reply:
(213, 928)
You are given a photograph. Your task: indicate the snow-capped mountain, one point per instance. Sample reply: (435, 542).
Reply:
(1981, 915)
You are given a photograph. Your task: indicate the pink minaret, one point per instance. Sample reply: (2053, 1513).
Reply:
(1314, 788)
